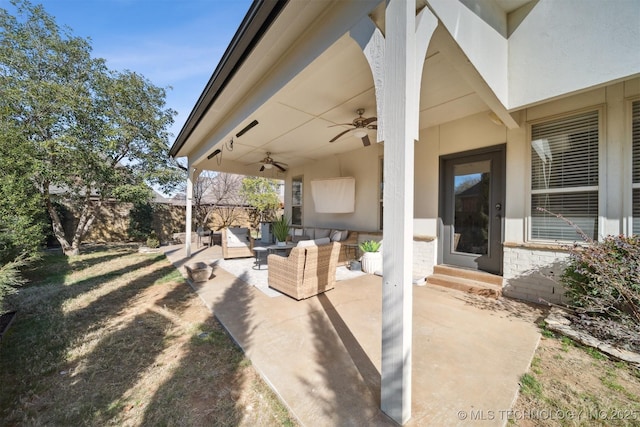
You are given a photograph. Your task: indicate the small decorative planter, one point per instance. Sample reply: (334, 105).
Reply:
(371, 262)
(199, 271)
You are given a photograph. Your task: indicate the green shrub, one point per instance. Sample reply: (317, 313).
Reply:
(153, 241)
(140, 219)
(10, 277)
(604, 277)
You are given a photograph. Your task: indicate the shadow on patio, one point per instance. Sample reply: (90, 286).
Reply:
(322, 355)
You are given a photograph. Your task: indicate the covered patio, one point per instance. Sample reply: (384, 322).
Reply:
(322, 355)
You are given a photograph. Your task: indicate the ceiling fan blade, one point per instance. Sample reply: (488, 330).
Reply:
(369, 120)
(341, 124)
(365, 141)
(340, 134)
(374, 127)
(262, 168)
(279, 167)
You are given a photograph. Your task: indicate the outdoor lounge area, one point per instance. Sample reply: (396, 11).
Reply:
(322, 355)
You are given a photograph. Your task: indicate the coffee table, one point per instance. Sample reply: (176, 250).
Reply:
(262, 252)
(282, 250)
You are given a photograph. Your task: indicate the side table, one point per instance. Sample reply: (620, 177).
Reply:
(261, 256)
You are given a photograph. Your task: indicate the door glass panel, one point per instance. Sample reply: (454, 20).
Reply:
(471, 182)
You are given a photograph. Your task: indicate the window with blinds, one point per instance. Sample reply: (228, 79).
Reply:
(564, 177)
(635, 138)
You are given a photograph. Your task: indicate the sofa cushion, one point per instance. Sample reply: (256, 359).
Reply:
(321, 232)
(316, 242)
(237, 237)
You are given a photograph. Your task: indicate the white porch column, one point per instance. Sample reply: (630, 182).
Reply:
(191, 179)
(406, 41)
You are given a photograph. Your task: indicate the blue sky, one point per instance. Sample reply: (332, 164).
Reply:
(175, 43)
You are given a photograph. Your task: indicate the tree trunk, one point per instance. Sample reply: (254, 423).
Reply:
(58, 230)
(84, 222)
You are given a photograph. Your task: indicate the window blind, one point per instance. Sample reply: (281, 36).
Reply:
(635, 138)
(564, 177)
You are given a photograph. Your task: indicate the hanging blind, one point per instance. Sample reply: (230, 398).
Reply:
(635, 137)
(564, 177)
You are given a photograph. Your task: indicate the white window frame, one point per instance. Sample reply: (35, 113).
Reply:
(602, 155)
(294, 179)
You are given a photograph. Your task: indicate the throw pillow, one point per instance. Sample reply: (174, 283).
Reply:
(336, 235)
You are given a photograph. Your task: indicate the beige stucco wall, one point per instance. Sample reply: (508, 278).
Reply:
(478, 131)
(364, 165)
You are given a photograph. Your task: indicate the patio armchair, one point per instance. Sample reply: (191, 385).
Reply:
(308, 270)
(236, 242)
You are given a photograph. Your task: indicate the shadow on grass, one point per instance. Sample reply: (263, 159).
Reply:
(36, 352)
(220, 373)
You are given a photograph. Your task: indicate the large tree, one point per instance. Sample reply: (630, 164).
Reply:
(91, 132)
(218, 195)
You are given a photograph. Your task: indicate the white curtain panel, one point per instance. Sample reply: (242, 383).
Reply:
(335, 195)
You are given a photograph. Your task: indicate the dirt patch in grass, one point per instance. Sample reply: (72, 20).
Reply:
(117, 337)
(568, 384)
(572, 385)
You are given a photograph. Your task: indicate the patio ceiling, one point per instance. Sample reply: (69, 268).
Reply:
(296, 122)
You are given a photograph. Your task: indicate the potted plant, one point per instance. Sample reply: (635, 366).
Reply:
(371, 257)
(280, 229)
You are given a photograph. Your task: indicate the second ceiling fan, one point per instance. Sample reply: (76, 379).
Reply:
(360, 125)
(268, 163)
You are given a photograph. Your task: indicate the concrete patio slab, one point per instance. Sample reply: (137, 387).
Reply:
(322, 355)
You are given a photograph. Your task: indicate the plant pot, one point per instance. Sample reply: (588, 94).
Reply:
(279, 243)
(199, 271)
(371, 262)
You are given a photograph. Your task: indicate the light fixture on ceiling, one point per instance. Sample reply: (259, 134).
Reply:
(247, 128)
(359, 133)
(215, 153)
(268, 165)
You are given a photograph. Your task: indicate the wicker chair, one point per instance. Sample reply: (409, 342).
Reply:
(236, 243)
(306, 272)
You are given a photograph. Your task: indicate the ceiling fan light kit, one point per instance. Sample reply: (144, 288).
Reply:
(269, 163)
(360, 126)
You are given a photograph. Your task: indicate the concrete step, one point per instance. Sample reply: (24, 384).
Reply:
(467, 281)
(464, 273)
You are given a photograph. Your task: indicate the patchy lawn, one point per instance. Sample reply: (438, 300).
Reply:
(117, 337)
(572, 385)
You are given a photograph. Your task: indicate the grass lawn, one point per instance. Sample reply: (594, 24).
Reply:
(117, 337)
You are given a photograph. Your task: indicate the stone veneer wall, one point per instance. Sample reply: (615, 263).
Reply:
(531, 272)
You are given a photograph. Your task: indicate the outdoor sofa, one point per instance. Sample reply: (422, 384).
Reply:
(310, 269)
(346, 238)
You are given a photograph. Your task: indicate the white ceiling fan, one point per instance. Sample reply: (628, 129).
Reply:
(360, 125)
(269, 163)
